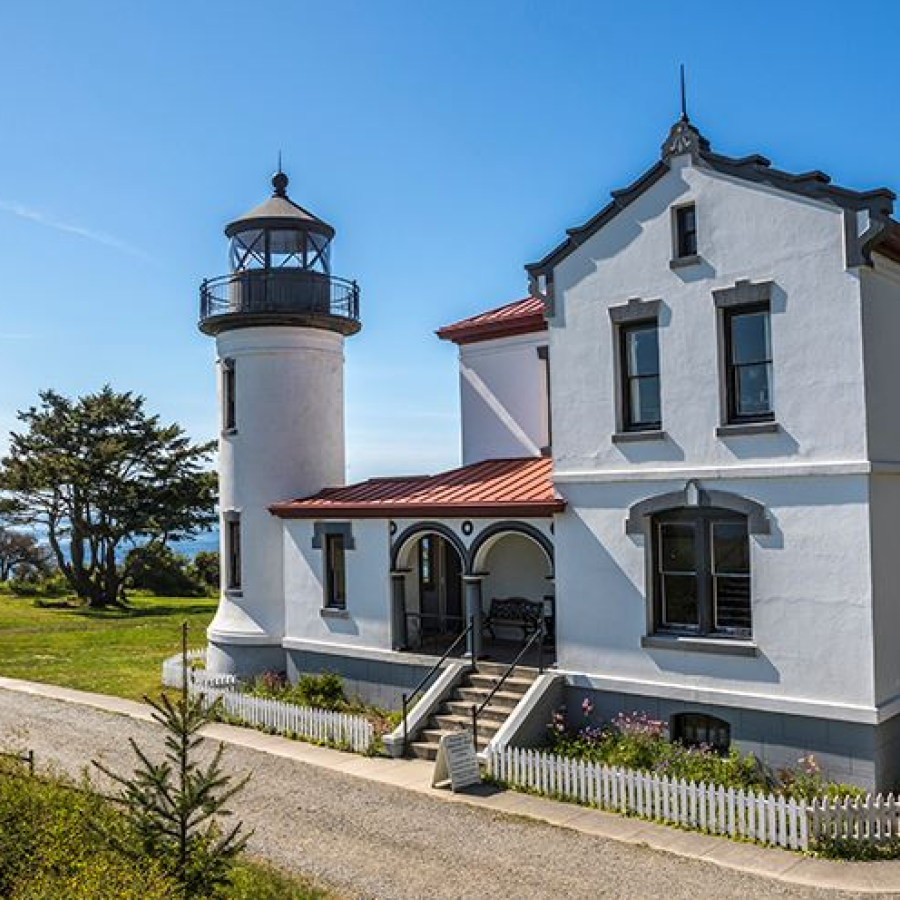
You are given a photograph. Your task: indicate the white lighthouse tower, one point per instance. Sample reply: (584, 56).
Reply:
(279, 319)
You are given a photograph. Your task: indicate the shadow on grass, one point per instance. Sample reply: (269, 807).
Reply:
(161, 611)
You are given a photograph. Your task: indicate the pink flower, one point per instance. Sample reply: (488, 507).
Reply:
(586, 706)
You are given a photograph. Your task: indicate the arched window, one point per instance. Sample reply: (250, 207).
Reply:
(696, 729)
(701, 573)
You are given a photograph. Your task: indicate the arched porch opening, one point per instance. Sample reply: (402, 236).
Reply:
(514, 564)
(429, 564)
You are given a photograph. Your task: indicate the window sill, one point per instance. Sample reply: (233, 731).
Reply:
(630, 437)
(682, 262)
(233, 592)
(331, 612)
(745, 429)
(723, 646)
(229, 432)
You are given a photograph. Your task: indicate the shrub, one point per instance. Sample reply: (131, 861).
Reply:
(637, 741)
(325, 691)
(53, 585)
(206, 569)
(163, 572)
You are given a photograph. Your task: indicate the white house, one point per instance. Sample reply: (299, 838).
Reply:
(680, 480)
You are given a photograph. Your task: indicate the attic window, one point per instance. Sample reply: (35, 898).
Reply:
(685, 231)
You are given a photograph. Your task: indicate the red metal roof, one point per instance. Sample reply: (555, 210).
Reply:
(521, 317)
(493, 488)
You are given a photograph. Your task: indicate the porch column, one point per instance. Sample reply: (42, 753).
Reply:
(399, 636)
(473, 612)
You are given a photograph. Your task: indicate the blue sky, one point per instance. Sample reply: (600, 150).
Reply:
(448, 143)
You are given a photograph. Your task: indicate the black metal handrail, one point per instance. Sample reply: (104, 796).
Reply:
(478, 710)
(407, 698)
(285, 290)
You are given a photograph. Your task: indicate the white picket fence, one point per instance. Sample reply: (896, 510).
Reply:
(323, 725)
(764, 818)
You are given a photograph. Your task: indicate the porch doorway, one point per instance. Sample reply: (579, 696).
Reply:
(435, 614)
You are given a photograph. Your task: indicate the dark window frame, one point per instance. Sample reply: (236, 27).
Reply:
(335, 570)
(733, 415)
(702, 520)
(685, 233)
(427, 546)
(229, 396)
(623, 330)
(233, 573)
(543, 353)
(686, 728)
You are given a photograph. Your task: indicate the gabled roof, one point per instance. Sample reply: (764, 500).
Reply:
(521, 317)
(683, 139)
(489, 489)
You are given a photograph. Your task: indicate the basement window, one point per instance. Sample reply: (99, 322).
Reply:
(701, 730)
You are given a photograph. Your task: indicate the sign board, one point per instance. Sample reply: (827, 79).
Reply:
(456, 762)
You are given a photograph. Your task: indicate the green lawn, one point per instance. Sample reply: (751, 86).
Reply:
(112, 652)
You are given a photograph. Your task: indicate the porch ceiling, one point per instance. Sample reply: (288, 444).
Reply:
(495, 488)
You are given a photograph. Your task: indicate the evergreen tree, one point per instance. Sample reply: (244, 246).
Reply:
(173, 806)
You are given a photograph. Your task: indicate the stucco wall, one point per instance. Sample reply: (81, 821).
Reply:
(289, 442)
(811, 600)
(503, 398)
(745, 231)
(885, 529)
(367, 621)
(881, 333)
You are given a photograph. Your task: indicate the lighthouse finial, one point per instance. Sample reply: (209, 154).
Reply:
(280, 180)
(684, 112)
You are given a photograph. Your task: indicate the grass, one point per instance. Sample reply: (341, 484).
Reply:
(112, 651)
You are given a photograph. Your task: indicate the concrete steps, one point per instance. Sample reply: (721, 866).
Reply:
(455, 713)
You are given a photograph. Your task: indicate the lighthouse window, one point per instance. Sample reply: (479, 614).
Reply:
(229, 414)
(233, 552)
(335, 572)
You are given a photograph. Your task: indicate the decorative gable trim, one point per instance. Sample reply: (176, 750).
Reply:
(694, 495)
(743, 293)
(685, 139)
(635, 310)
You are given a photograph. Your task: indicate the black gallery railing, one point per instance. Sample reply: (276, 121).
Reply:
(284, 291)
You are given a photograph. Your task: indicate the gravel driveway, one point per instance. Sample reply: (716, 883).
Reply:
(367, 840)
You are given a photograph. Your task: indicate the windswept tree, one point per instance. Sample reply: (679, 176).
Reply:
(21, 555)
(99, 475)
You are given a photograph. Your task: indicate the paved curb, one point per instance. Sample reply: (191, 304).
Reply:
(415, 775)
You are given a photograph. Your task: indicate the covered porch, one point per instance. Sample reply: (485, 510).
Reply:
(488, 597)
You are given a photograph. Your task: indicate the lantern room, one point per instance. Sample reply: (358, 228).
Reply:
(280, 258)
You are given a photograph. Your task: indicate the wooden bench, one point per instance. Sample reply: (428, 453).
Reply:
(514, 612)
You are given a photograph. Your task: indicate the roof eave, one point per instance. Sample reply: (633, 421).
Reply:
(490, 331)
(488, 510)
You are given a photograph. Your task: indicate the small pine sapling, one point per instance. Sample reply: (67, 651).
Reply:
(173, 806)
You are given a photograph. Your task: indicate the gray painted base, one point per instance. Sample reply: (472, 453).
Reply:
(379, 683)
(245, 661)
(865, 755)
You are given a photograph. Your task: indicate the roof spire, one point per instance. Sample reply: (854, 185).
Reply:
(684, 136)
(280, 180)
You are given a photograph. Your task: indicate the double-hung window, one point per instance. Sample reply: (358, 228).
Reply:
(639, 368)
(748, 363)
(702, 573)
(334, 546)
(685, 231)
